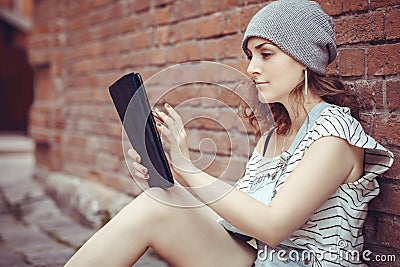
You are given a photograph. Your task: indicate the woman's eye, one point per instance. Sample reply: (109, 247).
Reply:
(266, 55)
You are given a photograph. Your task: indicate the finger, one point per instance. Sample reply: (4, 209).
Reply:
(178, 127)
(160, 115)
(167, 121)
(174, 115)
(134, 155)
(141, 175)
(140, 168)
(156, 116)
(164, 132)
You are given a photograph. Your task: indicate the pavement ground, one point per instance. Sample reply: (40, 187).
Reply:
(34, 231)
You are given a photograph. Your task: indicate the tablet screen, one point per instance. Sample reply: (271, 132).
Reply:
(130, 100)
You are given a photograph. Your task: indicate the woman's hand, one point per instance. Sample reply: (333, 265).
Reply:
(139, 171)
(174, 139)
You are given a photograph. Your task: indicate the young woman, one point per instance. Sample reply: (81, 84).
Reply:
(305, 207)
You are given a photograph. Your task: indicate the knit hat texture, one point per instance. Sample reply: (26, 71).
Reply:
(300, 28)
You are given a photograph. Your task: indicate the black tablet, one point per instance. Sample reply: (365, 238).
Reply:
(133, 107)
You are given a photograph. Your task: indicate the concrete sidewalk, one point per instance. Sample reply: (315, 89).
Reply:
(34, 231)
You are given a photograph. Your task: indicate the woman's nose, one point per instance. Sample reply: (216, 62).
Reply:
(253, 67)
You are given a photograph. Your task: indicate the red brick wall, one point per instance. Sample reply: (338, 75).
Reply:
(8, 4)
(78, 48)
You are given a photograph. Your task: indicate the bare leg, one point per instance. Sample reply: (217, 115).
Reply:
(182, 236)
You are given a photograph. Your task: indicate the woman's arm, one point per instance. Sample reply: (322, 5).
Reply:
(318, 175)
(324, 167)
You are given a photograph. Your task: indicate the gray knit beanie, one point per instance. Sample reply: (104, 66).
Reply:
(300, 28)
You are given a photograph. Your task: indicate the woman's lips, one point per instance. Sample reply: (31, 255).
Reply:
(260, 83)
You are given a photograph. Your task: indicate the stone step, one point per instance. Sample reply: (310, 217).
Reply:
(34, 231)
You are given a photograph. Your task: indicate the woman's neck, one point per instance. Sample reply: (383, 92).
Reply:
(298, 113)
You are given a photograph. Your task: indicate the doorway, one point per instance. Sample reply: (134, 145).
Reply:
(16, 83)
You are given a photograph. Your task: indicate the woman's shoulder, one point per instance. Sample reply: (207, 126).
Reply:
(334, 113)
(338, 121)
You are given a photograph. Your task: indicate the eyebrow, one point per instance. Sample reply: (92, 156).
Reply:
(257, 47)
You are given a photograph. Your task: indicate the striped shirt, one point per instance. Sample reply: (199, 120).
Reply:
(334, 231)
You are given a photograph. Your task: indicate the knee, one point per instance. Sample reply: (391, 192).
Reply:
(174, 197)
(150, 205)
(162, 204)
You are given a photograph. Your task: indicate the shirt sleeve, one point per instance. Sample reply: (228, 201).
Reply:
(339, 122)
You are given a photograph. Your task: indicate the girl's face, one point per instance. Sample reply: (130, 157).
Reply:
(275, 73)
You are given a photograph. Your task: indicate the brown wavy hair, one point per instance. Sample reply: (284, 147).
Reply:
(330, 89)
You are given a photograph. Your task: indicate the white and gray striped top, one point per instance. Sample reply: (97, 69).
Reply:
(337, 224)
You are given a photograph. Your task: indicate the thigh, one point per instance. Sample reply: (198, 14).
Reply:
(187, 233)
